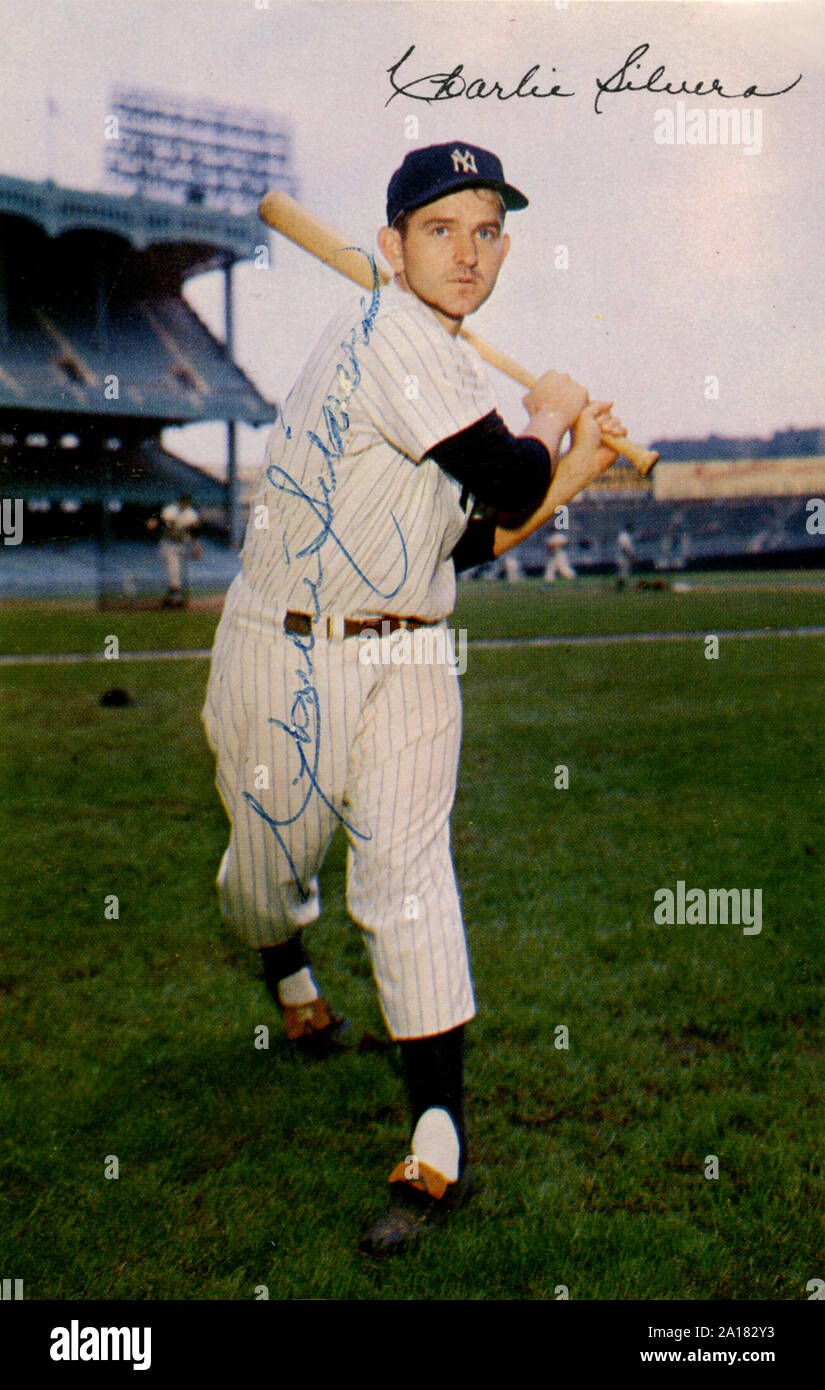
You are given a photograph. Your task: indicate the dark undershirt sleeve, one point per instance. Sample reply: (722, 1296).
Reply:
(475, 545)
(504, 472)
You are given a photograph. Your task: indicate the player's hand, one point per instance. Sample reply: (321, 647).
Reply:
(558, 392)
(587, 458)
(594, 421)
(152, 523)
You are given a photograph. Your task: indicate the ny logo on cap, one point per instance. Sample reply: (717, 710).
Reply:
(465, 162)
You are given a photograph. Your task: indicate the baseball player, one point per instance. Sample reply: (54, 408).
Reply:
(625, 555)
(389, 470)
(511, 568)
(179, 521)
(558, 564)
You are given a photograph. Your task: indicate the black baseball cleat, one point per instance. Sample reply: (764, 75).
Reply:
(414, 1206)
(316, 1030)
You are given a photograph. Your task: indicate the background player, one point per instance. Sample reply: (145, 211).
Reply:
(558, 561)
(390, 469)
(625, 555)
(179, 522)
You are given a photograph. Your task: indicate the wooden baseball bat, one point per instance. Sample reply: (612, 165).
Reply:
(297, 223)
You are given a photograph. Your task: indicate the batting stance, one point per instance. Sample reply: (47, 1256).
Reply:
(389, 470)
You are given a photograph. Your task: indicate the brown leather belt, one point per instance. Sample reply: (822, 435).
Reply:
(303, 624)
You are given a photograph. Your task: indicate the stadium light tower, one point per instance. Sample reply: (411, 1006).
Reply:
(194, 151)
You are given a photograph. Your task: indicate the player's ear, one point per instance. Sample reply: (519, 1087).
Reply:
(390, 246)
(505, 247)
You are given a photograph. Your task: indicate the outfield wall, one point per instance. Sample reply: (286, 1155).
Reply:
(789, 477)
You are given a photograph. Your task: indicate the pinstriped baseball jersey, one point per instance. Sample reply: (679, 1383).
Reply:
(357, 523)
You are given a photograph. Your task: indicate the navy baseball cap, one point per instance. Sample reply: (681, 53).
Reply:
(441, 169)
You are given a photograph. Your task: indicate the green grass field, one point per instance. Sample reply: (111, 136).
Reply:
(241, 1167)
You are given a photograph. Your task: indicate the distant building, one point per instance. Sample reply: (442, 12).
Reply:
(782, 444)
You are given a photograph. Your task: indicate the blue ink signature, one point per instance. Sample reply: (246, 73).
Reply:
(324, 511)
(304, 732)
(304, 729)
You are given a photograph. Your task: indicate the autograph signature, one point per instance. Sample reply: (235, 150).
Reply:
(446, 86)
(304, 731)
(304, 728)
(323, 509)
(620, 82)
(442, 86)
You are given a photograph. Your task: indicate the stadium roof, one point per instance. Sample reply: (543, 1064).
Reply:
(205, 237)
(92, 319)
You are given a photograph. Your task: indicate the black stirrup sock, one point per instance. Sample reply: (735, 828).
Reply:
(282, 961)
(434, 1071)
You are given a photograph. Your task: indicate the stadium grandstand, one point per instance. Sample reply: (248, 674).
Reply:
(100, 351)
(708, 503)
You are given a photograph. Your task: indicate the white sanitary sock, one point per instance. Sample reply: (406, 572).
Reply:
(436, 1143)
(299, 988)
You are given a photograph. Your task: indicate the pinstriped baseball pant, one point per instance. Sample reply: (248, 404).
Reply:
(372, 746)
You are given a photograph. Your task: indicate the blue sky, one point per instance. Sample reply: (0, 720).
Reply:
(684, 261)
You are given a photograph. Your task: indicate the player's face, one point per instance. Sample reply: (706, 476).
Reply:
(452, 252)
